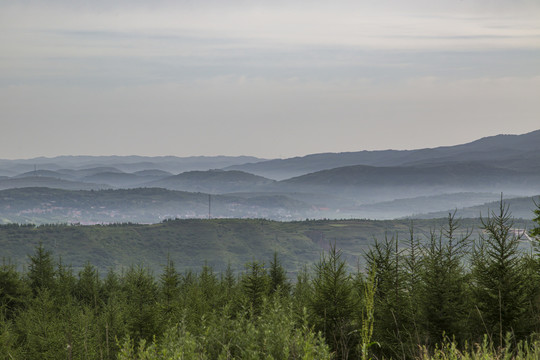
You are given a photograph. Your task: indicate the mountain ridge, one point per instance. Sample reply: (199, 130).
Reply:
(492, 148)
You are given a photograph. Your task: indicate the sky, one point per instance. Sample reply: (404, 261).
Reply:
(263, 78)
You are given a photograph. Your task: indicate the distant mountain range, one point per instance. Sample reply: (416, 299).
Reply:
(170, 164)
(328, 185)
(516, 152)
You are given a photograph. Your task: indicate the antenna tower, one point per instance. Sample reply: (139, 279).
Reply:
(209, 206)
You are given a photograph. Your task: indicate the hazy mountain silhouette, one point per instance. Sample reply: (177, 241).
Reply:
(213, 181)
(327, 185)
(48, 182)
(521, 207)
(153, 172)
(386, 183)
(46, 173)
(170, 164)
(518, 152)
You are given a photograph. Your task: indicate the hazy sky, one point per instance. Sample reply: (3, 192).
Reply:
(263, 78)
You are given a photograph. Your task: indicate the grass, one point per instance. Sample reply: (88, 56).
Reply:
(484, 351)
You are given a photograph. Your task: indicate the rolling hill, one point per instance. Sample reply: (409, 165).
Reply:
(440, 204)
(520, 207)
(217, 242)
(143, 205)
(213, 181)
(376, 184)
(153, 205)
(42, 181)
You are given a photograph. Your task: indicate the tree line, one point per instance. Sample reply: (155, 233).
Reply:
(413, 299)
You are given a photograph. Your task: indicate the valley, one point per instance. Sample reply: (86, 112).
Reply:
(366, 184)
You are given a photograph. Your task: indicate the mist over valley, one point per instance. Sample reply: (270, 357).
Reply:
(367, 184)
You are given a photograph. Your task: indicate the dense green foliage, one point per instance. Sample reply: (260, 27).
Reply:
(218, 242)
(441, 296)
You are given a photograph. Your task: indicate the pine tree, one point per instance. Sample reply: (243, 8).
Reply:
(498, 274)
(141, 300)
(88, 287)
(199, 295)
(255, 283)
(170, 291)
(392, 329)
(278, 277)
(41, 270)
(444, 297)
(13, 291)
(111, 285)
(333, 303)
(228, 282)
(412, 271)
(530, 322)
(41, 328)
(9, 344)
(413, 264)
(112, 315)
(532, 274)
(208, 283)
(302, 292)
(229, 290)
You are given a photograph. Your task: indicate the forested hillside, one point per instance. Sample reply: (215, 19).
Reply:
(432, 299)
(218, 242)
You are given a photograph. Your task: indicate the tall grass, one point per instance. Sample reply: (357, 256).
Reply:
(449, 350)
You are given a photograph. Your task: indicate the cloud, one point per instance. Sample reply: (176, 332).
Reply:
(121, 42)
(268, 25)
(173, 77)
(235, 115)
